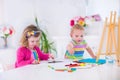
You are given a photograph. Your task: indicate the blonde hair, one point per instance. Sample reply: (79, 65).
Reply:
(24, 38)
(76, 26)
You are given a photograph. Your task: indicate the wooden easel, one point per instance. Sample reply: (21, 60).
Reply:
(111, 37)
(118, 60)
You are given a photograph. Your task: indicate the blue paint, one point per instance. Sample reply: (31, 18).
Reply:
(91, 60)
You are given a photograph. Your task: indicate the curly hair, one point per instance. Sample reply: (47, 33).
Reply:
(24, 37)
(76, 26)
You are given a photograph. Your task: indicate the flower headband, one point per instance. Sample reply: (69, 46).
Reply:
(78, 20)
(84, 21)
(32, 33)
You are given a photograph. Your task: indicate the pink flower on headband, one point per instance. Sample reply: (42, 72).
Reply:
(72, 23)
(81, 18)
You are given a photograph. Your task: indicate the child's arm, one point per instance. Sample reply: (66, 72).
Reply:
(70, 48)
(41, 55)
(89, 50)
(20, 58)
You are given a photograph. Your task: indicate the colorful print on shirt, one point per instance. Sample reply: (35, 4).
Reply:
(78, 50)
(35, 55)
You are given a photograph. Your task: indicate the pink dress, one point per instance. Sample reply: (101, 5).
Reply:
(24, 56)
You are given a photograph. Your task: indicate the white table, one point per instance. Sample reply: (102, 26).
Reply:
(43, 72)
(8, 55)
(7, 58)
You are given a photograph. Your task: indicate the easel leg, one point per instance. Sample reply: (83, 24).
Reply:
(108, 40)
(101, 41)
(118, 54)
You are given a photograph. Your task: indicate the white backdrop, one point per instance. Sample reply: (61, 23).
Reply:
(54, 15)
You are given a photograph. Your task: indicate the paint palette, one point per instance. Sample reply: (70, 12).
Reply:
(91, 60)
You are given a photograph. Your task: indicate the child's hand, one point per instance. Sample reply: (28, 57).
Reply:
(51, 56)
(71, 51)
(70, 48)
(35, 62)
(94, 57)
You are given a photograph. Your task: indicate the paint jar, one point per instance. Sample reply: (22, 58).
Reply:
(110, 59)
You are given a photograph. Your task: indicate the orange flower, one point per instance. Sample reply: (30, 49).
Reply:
(81, 23)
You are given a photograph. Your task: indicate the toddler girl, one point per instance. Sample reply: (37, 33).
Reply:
(75, 49)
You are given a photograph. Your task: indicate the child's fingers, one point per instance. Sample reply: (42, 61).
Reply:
(38, 61)
(35, 62)
(51, 56)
